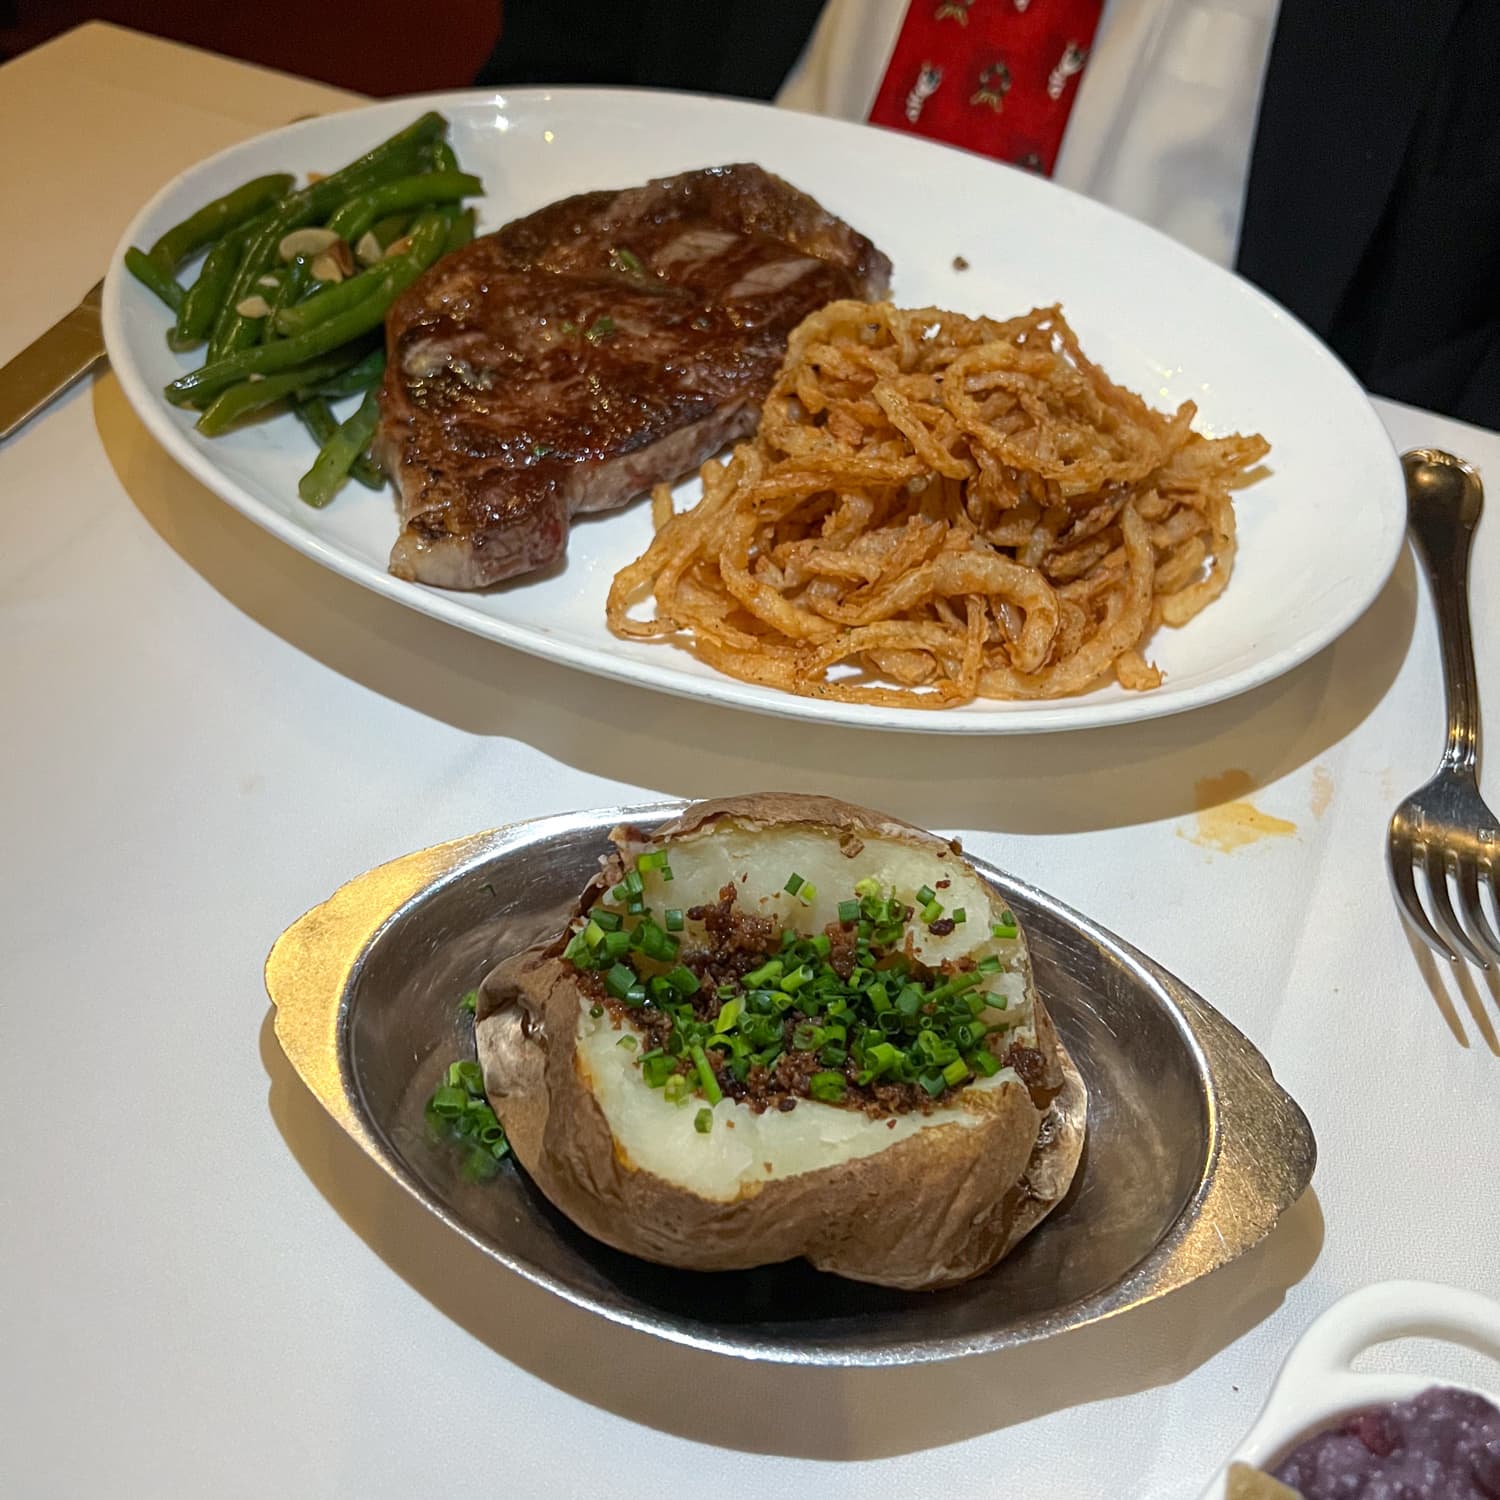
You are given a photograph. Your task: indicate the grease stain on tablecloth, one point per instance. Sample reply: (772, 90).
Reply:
(1322, 791)
(1227, 820)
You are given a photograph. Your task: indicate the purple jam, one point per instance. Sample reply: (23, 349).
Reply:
(1442, 1445)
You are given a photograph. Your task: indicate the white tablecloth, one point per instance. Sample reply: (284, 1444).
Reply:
(205, 1289)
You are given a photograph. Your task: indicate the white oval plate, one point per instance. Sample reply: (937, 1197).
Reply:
(1317, 1385)
(1318, 537)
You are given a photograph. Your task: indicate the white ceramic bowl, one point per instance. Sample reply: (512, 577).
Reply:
(1317, 1385)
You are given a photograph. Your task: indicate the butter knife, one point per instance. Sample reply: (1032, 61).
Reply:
(43, 370)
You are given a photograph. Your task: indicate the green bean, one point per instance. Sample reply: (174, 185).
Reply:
(390, 229)
(252, 395)
(317, 417)
(394, 157)
(358, 378)
(154, 278)
(328, 300)
(318, 485)
(214, 220)
(460, 231)
(358, 214)
(443, 159)
(200, 307)
(267, 359)
(290, 284)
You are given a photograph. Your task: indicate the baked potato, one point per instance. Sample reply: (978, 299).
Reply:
(786, 1026)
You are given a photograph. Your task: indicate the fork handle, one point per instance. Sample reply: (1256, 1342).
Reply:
(1444, 500)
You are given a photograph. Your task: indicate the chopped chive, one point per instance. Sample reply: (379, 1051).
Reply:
(984, 1061)
(633, 883)
(955, 1073)
(703, 1121)
(989, 964)
(794, 884)
(676, 1088)
(673, 919)
(808, 893)
(728, 1016)
(608, 920)
(867, 889)
(848, 911)
(706, 1078)
(959, 915)
(619, 980)
(682, 980)
(828, 1087)
(925, 895)
(593, 934)
(628, 1042)
(653, 860)
(768, 973)
(932, 911)
(1003, 930)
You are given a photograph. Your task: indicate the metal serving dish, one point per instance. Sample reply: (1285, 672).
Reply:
(1193, 1150)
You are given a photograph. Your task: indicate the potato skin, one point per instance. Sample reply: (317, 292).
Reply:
(932, 1210)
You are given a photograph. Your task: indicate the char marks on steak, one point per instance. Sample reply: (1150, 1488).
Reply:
(580, 355)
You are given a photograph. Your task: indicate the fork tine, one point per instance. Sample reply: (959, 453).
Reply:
(1399, 860)
(1442, 908)
(1471, 904)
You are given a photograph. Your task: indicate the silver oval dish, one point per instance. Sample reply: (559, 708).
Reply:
(1193, 1149)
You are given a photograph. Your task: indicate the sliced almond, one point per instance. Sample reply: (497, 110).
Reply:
(253, 307)
(268, 281)
(368, 250)
(397, 247)
(306, 242)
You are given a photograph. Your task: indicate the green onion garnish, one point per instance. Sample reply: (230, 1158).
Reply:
(619, 980)
(989, 964)
(706, 1078)
(925, 895)
(628, 1042)
(469, 1001)
(768, 973)
(608, 920)
(728, 1016)
(682, 980)
(808, 893)
(703, 1121)
(932, 911)
(955, 1073)
(673, 919)
(848, 911)
(794, 884)
(959, 915)
(676, 1088)
(829, 1087)
(984, 1061)
(867, 889)
(593, 934)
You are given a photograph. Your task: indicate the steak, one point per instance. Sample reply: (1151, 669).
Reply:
(578, 356)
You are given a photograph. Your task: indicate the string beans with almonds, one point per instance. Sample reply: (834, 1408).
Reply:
(393, 158)
(268, 359)
(295, 285)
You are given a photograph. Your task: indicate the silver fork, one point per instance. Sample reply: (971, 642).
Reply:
(1444, 826)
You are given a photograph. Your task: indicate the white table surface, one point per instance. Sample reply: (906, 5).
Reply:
(205, 1290)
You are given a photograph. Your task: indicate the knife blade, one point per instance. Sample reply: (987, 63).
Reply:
(44, 369)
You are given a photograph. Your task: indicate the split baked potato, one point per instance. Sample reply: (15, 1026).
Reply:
(786, 1026)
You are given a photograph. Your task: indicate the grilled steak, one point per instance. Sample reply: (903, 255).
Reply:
(591, 350)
